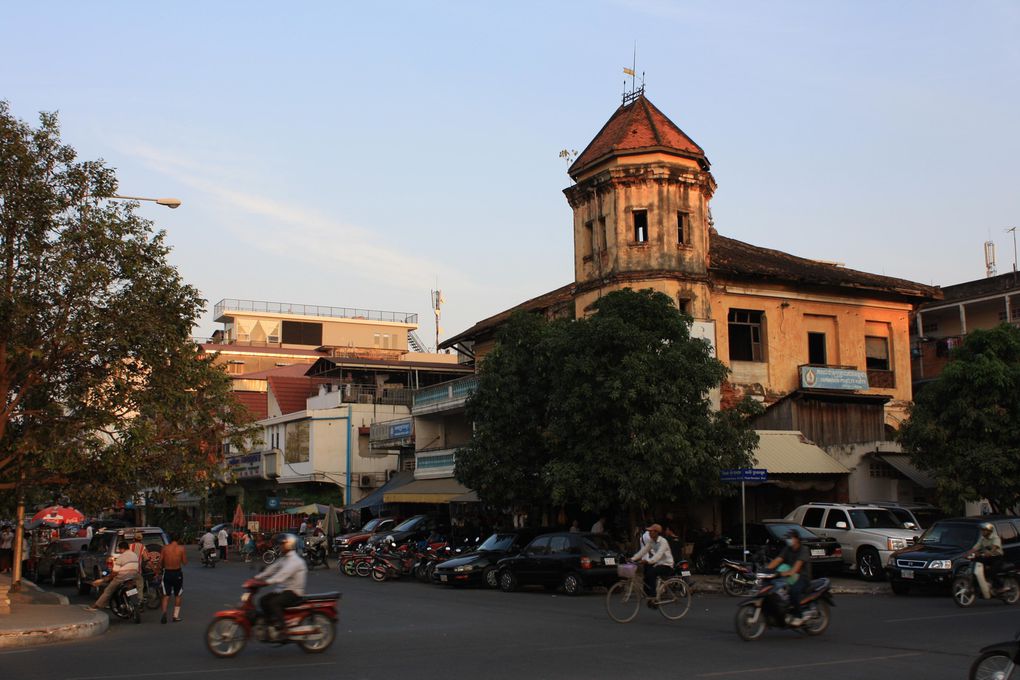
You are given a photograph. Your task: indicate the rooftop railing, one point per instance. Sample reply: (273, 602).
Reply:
(266, 307)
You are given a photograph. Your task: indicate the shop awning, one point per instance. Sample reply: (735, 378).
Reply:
(788, 452)
(400, 479)
(469, 497)
(901, 462)
(427, 491)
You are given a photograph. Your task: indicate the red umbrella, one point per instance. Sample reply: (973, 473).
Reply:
(238, 517)
(58, 515)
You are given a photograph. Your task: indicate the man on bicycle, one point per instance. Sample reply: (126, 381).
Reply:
(657, 559)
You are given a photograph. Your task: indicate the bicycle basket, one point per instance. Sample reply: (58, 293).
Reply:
(626, 570)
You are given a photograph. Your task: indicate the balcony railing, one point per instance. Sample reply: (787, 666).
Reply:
(445, 395)
(266, 307)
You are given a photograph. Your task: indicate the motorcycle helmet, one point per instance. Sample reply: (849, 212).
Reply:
(285, 542)
(986, 526)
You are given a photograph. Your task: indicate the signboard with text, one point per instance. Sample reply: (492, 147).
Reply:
(825, 378)
(744, 475)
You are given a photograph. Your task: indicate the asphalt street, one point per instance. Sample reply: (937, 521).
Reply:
(409, 629)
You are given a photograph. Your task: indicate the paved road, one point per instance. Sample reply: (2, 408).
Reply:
(407, 629)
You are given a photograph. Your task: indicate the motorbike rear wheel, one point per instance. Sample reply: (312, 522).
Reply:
(734, 584)
(320, 641)
(363, 568)
(347, 567)
(750, 622)
(817, 624)
(225, 637)
(378, 574)
(992, 666)
(623, 600)
(964, 593)
(269, 556)
(153, 598)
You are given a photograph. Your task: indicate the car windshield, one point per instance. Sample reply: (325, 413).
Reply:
(902, 515)
(598, 542)
(780, 531)
(498, 542)
(875, 519)
(928, 517)
(410, 524)
(371, 524)
(962, 536)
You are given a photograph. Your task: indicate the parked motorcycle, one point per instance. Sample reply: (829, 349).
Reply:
(315, 555)
(1004, 585)
(311, 624)
(998, 661)
(739, 578)
(770, 606)
(209, 558)
(395, 563)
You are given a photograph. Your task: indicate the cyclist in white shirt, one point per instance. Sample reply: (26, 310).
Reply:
(657, 559)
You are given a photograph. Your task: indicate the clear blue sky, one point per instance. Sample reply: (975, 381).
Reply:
(354, 154)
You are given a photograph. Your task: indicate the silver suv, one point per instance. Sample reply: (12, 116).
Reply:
(868, 534)
(97, 557)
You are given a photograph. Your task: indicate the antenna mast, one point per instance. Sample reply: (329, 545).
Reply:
(437, 304)
(635, 91)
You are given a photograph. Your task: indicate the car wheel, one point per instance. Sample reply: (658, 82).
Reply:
(83, 586)
(869, 565)
(507, 581)
(572, 584)
(900, 588)
(54, 577)
(491, 577)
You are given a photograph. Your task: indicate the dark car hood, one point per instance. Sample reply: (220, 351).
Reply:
(931, 551)
(491, 556)
(352, 535)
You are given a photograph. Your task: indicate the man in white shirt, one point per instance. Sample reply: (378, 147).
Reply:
(287, 575)
(207, 543)
(657, 558)
(223, 540)
(125, 567)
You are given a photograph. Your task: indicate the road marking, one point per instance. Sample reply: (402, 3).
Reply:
(949, 616)
(212, 670)
(809, 665)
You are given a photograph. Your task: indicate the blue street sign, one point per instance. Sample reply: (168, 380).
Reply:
(744, 475)
(272, 503)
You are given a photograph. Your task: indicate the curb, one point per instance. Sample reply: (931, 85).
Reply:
(61, 599)
(95, 623)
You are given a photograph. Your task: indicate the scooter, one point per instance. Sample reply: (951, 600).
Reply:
(315, 555)
(126, 602)
(210, 557)
(739, 578)
(311, 624)
(769, 607)
(1004, 585)
(393, 564)
(998, 661)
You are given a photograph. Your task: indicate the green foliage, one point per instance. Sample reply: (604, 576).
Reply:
(105, 394)
(964, 426)
(607, 411)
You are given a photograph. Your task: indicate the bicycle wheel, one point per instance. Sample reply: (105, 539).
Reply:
(623, 601)
(674, 599)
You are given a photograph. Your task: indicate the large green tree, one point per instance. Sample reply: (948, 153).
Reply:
(105, 394)
(964, 426)
(607, 411)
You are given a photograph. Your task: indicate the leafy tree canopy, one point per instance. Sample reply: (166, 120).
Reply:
(964, 426)
(606, 411)
(105, 395)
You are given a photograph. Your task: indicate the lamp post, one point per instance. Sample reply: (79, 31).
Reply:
(168, 202)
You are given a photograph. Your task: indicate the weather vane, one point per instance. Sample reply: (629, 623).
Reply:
(635, 91)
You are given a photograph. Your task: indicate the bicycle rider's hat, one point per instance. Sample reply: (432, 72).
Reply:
(655, 527)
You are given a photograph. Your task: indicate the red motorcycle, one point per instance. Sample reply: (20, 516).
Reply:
(311, 623)
(393, 563)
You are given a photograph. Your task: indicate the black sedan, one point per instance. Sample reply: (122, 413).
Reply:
(58, 561)
(480, 566)
(573, 561)
(764, 541)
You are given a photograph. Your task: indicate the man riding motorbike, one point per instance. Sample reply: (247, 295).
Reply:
(207, 545)
(287, 575)
(316, 542)
(988, 557)
(798, 559)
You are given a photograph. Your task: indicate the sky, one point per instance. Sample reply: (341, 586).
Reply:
(363, 154)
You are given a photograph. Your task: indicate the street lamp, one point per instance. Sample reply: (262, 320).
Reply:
(168, 202)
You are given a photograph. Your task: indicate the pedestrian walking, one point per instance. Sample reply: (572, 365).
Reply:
(222, 540)
(174, 559)
(247, 546)
(6, 548)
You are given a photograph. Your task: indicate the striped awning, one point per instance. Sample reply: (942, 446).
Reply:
(788, 452)
(428, 491)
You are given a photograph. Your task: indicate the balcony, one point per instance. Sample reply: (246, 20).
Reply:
(391, 434)
(336, 394)
(447, 396)
(264, 307)
(434, 463)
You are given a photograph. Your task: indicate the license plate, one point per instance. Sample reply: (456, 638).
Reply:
(818, 552)
(685, 573)
(131, 593)
(610, 561)
(906, 573)
(443, 578)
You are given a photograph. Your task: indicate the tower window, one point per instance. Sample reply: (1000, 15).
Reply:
(589, 239)
(603, 243)
(745, 335)
(641, 226)
(876, 352)
(816, 348)
(681, 228)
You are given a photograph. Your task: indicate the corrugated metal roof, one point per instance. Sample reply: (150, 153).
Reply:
(788, 452)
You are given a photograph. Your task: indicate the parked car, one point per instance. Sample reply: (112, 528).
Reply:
(573, 561)
(97, 557)
(942, 551)
(867, 534)
(920, 515)
(58, 560)
(353, 539)
(765, 540)
(479, 567)
(413, 528)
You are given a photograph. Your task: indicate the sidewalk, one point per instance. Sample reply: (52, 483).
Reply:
(38, 617)
(840, 585)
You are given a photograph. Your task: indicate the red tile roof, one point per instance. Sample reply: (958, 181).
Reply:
(292, 370)
(638, 127)
(257, 403)
(291, 392)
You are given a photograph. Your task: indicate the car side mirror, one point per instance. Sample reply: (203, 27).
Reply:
(841, 525)
(909, 525)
